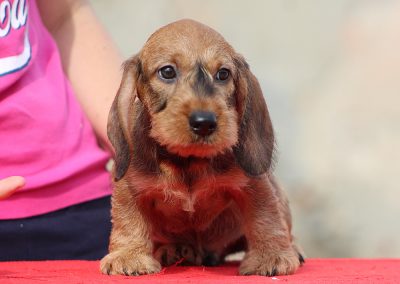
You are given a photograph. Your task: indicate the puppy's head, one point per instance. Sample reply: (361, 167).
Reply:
(200, 97)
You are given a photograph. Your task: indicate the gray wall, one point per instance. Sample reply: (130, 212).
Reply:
(330, 71)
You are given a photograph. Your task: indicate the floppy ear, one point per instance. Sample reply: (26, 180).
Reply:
(119, 120)
(254, 151)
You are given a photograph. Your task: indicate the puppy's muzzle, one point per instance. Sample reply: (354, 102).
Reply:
(203, 123)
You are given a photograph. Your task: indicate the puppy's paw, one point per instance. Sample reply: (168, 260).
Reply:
(265, 264)
(173, 253)
(129, 264)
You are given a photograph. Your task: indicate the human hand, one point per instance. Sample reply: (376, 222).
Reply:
(9, 185)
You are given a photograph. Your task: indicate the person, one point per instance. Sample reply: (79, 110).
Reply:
(59, 72)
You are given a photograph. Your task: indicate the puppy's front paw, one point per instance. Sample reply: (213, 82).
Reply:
(265, 264)
(129, 264)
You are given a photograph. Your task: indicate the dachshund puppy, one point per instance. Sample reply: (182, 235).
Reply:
(193, 149)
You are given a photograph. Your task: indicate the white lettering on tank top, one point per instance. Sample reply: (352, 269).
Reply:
(13, 16)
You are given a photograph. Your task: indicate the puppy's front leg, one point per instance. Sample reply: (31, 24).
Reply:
(130, 250)
(270, 249)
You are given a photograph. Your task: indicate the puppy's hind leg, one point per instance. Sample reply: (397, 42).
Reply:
(182, 254)
(223, 237)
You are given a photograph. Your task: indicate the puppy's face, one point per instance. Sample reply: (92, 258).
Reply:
(187, 85)
(194, 95)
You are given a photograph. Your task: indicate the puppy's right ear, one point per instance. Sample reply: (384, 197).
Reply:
(255, 148)
(120, 119)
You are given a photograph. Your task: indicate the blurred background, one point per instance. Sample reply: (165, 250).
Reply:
(330, 72)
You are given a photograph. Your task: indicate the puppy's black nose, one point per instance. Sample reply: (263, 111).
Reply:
(203, 123)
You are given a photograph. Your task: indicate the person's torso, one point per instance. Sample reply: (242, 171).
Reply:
(44, 135)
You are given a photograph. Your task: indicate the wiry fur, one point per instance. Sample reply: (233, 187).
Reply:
(180, 195)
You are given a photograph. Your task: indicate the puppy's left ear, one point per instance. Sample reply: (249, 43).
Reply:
(120, 118)
(254, 151)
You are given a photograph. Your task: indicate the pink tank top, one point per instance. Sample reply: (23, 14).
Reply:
(44, 135)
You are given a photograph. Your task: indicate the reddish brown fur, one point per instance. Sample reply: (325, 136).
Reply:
(180, 195)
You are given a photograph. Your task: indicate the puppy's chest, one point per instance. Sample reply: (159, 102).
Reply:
(191, 196)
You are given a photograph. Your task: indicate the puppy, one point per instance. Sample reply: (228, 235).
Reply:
(193, 149)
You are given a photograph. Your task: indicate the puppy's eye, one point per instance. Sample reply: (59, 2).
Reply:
(167, 72)
(222, 74)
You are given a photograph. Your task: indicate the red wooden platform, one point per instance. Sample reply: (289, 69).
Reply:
(314, 271)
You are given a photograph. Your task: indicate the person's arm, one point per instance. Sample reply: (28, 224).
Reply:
(89, 57)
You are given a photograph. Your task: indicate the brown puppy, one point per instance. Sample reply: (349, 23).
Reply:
(192, 176)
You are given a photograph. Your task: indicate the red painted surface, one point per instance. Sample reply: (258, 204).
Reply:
(314, 271)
